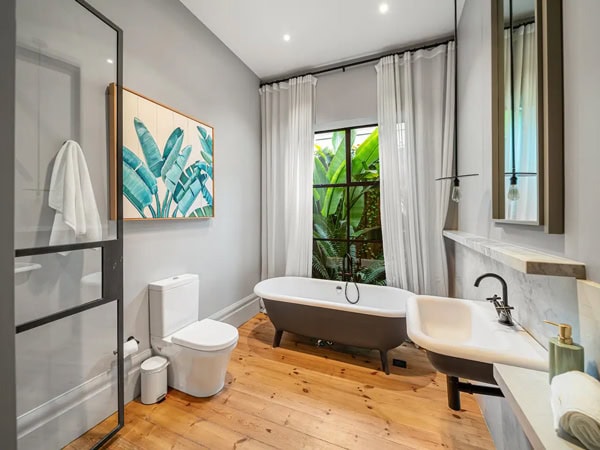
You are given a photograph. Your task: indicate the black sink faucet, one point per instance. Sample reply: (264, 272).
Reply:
(500, 303)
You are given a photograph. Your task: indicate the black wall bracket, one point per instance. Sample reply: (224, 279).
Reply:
(455, 387)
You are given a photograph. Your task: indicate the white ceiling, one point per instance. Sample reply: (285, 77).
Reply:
(322, 32)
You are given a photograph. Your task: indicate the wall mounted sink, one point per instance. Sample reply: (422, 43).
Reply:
(469, 329)
(463, 339)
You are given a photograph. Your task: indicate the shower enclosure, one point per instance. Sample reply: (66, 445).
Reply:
(68, 295)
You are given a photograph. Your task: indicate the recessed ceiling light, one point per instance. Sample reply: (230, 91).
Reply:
(110, 61)
(383, 8)
(286, 37)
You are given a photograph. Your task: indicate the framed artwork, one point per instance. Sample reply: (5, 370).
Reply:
(167, 162)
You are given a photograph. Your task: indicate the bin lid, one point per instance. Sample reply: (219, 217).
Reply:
(207, 335)
(154, 364)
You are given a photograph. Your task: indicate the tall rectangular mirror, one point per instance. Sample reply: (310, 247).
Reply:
(527, 116)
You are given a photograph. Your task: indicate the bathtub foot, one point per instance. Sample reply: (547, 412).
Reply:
(277, 338)
(384, 361)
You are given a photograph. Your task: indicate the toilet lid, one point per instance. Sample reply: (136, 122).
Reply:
(207, 335)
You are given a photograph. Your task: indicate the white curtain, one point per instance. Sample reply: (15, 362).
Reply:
(287, 122)
(415, 108)
(525, 118)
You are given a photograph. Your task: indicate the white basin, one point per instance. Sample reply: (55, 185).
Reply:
(470, 330)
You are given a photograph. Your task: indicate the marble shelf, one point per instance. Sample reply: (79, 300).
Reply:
(528, 394)
(519, 258)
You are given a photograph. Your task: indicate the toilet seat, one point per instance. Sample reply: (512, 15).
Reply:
(206, 335)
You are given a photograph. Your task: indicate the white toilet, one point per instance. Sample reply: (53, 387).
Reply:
(198, 351)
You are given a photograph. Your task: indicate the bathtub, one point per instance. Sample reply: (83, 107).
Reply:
(318, 309)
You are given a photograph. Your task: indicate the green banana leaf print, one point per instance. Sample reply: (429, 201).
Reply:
(192, 184)
(184, 188)
(207, 145)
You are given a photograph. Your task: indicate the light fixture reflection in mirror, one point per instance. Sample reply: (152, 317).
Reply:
(521, 145)
(513, 190)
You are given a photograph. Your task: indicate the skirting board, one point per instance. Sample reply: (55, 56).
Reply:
(240, 312)
(64, 418)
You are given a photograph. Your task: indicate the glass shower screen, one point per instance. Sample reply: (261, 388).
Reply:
(68, 258)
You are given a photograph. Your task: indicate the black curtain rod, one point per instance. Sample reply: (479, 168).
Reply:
(521, 23)
(363, 61)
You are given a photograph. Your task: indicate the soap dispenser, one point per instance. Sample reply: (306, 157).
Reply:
(564, 354)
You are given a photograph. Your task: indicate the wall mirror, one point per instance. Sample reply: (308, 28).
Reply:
(527, 113)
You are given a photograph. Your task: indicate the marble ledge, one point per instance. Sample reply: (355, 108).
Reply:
(519, 258)
(528, 394)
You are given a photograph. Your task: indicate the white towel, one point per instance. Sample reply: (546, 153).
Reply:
(576, 407)
(72, 196)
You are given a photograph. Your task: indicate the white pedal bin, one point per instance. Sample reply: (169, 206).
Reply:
(154, 379)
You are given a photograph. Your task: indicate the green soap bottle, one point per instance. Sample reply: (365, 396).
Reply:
(564, 354)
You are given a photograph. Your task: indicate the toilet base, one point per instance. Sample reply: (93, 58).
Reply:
(195, 372)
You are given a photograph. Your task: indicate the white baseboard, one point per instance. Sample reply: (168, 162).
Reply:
(64, 418)
(240, 312)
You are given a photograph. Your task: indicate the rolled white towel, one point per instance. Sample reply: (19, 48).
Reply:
(576, 407)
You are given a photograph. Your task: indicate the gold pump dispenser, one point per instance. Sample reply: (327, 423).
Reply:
(565, 331)
(564, 354)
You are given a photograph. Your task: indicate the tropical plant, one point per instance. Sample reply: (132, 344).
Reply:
(184, 183)
(347, 215)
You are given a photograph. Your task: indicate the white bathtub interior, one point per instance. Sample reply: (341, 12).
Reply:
(374, 300)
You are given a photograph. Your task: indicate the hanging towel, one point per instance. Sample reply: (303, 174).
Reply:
(72, 196)
(576, 407)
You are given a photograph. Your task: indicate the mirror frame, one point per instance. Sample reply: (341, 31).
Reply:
(548, 17)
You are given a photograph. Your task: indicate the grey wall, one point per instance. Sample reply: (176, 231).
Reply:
(535, 297)
(347, 98)
(8, 426)
(171, 57)
(582, 158)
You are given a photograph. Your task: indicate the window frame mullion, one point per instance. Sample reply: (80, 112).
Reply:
(348, 240)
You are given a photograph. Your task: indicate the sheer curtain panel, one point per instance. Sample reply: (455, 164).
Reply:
(415, 107)
(287, 121)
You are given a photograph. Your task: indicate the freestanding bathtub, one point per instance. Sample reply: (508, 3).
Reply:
(318, 309)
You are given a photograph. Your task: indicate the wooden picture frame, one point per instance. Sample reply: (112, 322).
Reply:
(168, 161)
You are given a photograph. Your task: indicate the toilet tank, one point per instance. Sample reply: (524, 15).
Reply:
(173, 304)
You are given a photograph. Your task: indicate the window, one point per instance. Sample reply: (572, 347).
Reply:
(346, 216)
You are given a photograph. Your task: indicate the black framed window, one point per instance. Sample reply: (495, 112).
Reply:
(346, 199)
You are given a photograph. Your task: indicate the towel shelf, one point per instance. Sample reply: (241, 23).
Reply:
(528, 394)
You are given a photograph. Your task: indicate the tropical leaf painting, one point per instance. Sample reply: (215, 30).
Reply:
(167, 162)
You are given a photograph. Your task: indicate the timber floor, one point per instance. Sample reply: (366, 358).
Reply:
(303, 396)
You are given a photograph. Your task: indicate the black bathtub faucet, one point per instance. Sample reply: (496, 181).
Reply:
(348, 267)
(500, 303)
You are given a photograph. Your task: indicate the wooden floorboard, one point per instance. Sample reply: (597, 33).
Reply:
(301, 395)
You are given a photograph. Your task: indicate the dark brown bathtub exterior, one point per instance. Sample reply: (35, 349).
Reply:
(348, 328)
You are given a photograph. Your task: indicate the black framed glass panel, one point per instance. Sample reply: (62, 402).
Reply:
(68, 233)
(66, 378)
(65, 59)
(54, 282)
